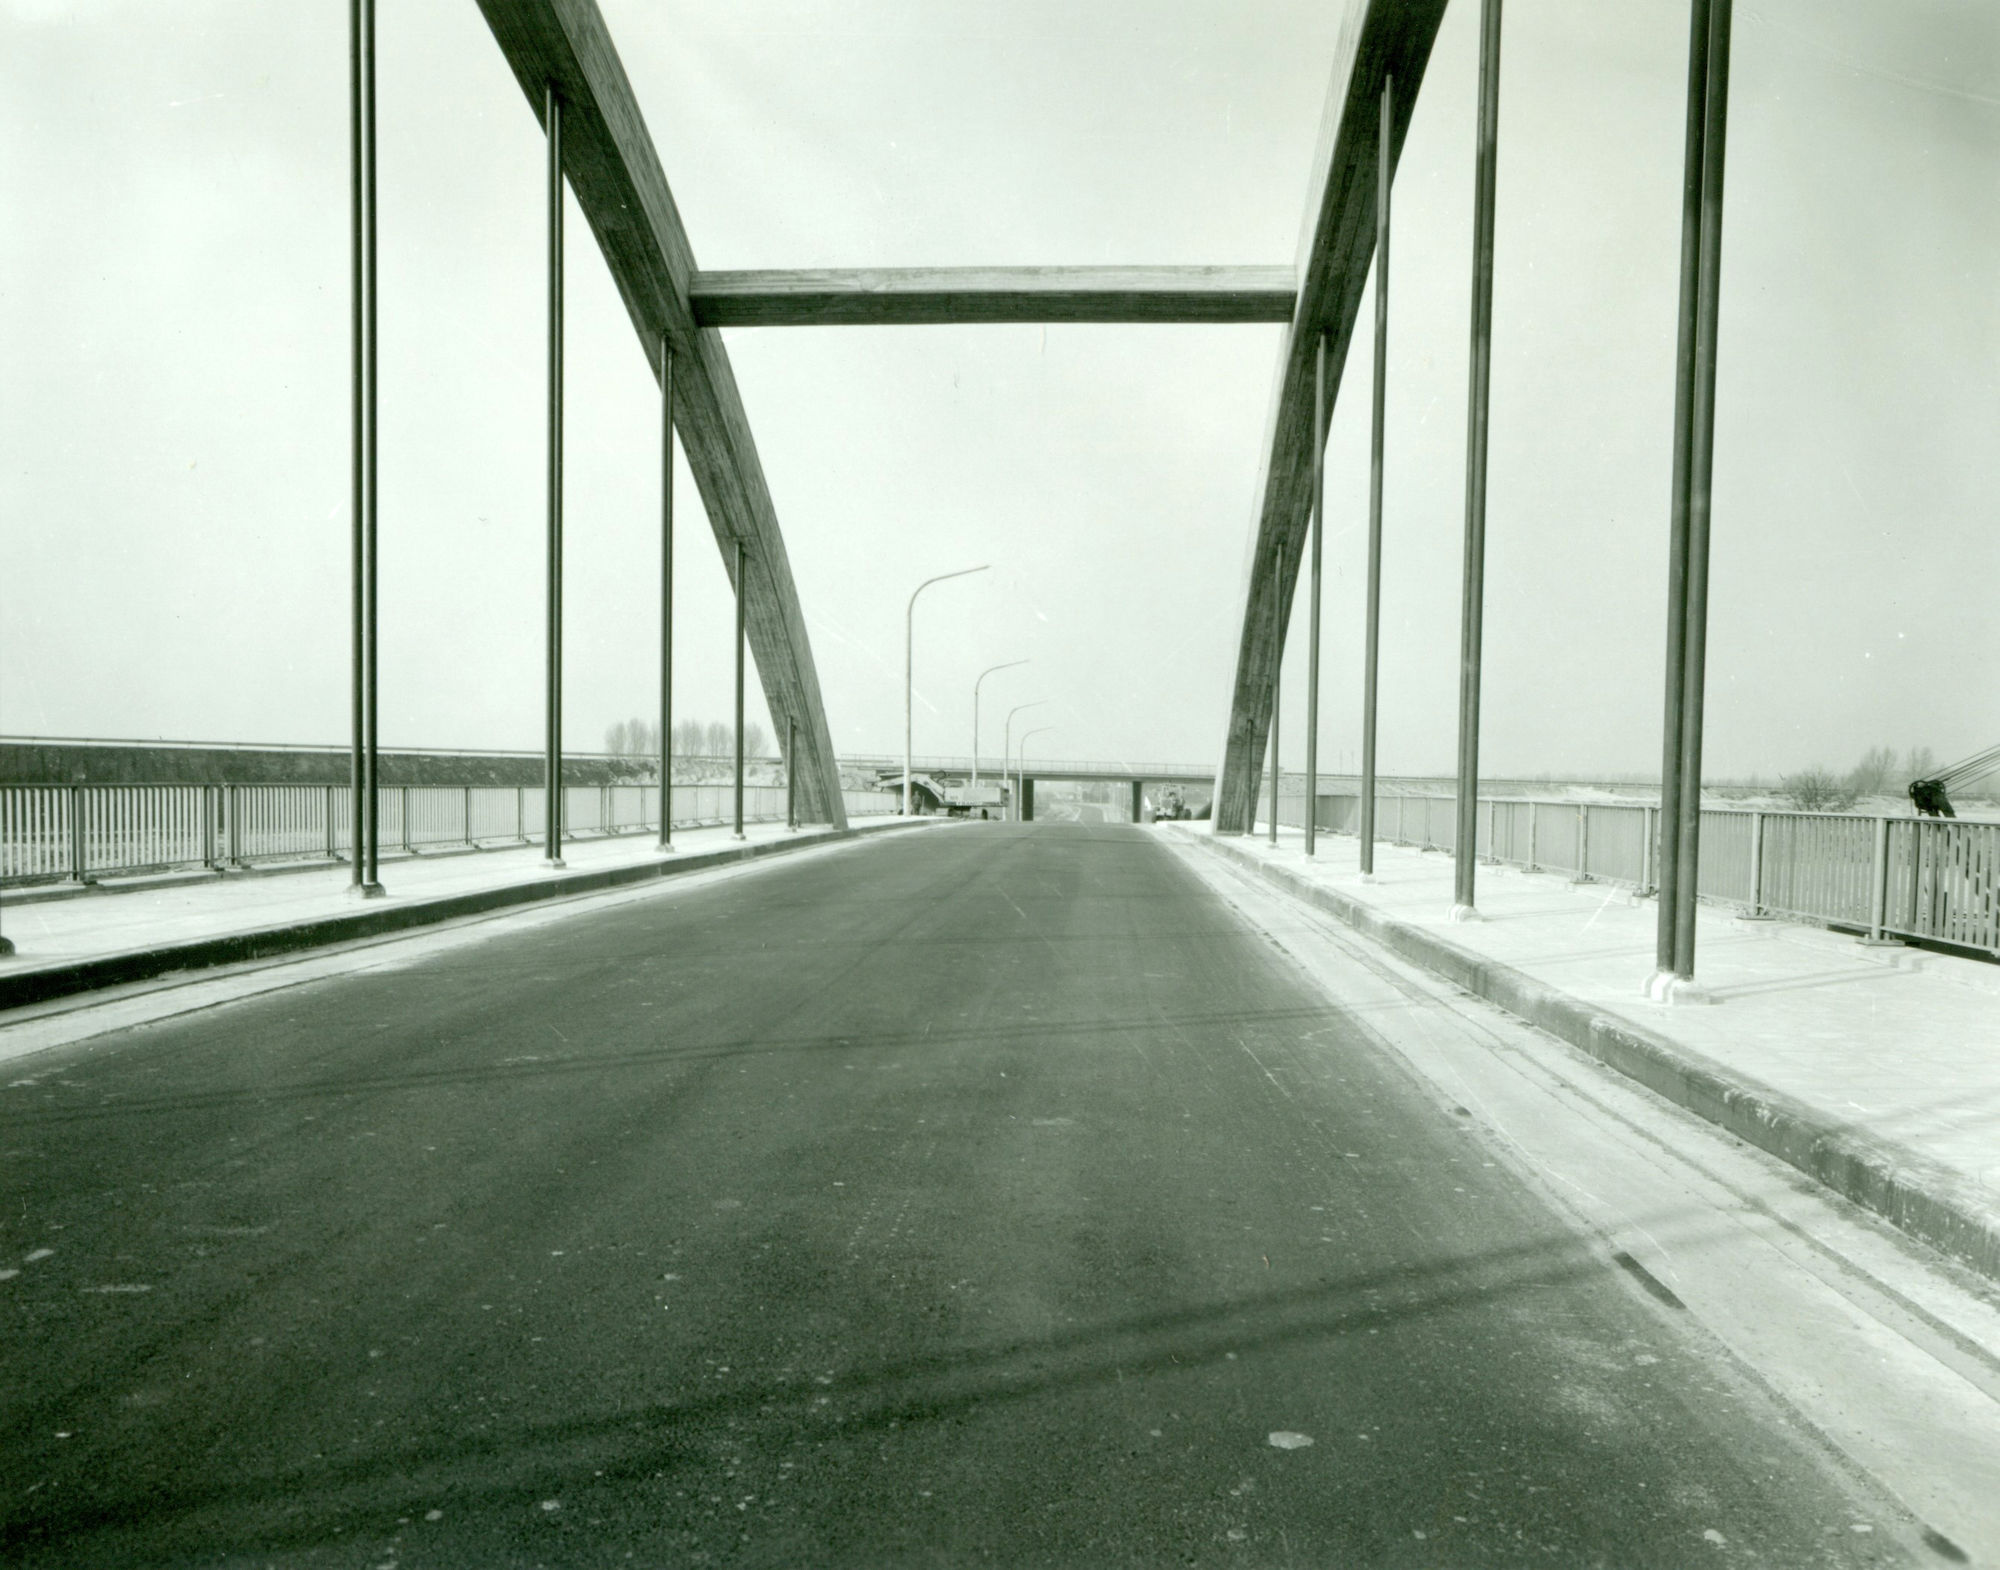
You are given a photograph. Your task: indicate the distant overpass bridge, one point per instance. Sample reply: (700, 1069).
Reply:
(957, 769)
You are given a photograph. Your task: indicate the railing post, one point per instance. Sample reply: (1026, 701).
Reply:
(521, 813)
(468, 818)
(1879, 895)
(1582, 843)
(1534, 833)
(1756, 863)
(208, 810)
(1645, 849)
(79, 872)
(330, 849)
(404, 813)
(235, 808)
(1917, 838)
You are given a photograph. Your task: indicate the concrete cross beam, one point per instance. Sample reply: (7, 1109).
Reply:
(614, 171)
(1379, 38)
(917, 296)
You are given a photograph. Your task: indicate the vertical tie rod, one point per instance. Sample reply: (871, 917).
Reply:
(552, 763)
(1472, 600)
(741, 597)
(666, 594)
(1371, 657)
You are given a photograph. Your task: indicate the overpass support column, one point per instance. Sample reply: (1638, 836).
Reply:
(1138, 801)
(1027, 800)
(1694, 452)
(552, 762)
(1472, 601)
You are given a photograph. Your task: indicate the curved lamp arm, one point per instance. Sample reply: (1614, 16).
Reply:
(909, 627)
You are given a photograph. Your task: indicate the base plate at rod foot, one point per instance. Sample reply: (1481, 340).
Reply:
(1672, 991)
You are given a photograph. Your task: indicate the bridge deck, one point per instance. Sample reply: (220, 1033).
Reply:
(1000, 1192)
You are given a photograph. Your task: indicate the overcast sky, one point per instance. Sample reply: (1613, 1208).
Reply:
(173, 332)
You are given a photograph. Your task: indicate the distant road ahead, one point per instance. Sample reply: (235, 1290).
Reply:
(989, 1192)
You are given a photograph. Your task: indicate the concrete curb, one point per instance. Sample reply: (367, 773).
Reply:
(46, 983)
(1924, 1199)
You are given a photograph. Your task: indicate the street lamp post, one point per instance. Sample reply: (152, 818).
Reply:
(909, 630)
(975, 715)
(1020, 782)
(1007, 734)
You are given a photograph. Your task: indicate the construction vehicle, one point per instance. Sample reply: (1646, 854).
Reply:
(1930, 796)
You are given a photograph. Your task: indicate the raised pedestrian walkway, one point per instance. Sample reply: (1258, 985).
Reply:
(90, 941)
(1874, 1069)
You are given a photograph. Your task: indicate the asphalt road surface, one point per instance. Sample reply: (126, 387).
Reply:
(990, 1193)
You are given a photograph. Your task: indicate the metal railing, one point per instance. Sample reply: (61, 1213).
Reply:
(80, 833)
(1930, 878)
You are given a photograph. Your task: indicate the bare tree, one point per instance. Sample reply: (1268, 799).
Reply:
(633, 738)
(706, 739)
(1816, 790)
(1875, 774)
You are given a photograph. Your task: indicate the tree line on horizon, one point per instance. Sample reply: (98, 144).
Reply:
(1880, 772)
(637, 738)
